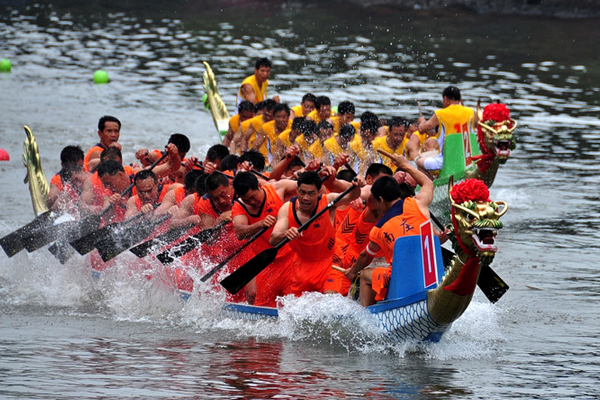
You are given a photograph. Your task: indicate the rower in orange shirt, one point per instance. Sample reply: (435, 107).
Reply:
(315, 247)
(256, 208)
(402, 215)
(109, 130)
(66, 185)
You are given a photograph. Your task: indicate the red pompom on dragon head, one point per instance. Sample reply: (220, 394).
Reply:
(494, 134)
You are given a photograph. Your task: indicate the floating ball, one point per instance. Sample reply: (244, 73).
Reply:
(100, 77)
(5, 65)
(4, 155)
(205, 101)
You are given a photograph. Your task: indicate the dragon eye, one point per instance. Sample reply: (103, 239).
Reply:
(470, 217)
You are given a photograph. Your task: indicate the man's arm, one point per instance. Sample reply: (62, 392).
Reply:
(363, 261)
(248, 93)
(185, 216)
(426, 126)
(243, 228)
(281, 226)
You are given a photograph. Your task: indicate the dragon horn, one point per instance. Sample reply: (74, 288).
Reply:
(504, 208)
(450, 185)
(514, 125)
(479, 110)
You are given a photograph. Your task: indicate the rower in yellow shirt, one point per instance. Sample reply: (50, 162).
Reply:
(308, 137)
(287, 138)
(306, 106)
(362, 143)
(325, 132)
(453, 119)
(254, 87)
(338, 144)
(394, 142)
(250, 128)
(345, 115)
(269, 134)
(246, 110)
(322, 111)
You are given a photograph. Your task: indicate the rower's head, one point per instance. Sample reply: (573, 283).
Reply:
(113, 176)
(71, 155)
(230, 162)
(245, 185)
(346, 134)
(310, 131)
(189, 181)
(451, 95)
(146, 185)
(181, 142)
(369, 123)
(384, 192)
(398, 127)
(325, 130)
(246, 110)
(309, 187)
(262, 70)
(346, 112)
(111, 153)
(220, 191)
(309, 101)
(376, 171)
(297, 128)
(215, 154)
(323, 107)
(281, 115)
(256, 158)
(200, 184)
(109, 129)
(268, 109)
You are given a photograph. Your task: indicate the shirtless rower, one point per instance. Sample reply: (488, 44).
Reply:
(315, 247)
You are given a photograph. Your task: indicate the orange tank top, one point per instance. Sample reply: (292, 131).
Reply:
(318, 240)
(86, 161)
(270, 206)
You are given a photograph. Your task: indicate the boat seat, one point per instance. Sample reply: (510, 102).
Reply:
(407, 277)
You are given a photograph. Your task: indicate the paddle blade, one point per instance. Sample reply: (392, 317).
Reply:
(111, 246)
(491, 284)
(12, 243)
(244, 274)
(143, 249)
(61, 250)
(49, 235)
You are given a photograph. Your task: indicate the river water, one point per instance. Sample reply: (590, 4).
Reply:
(64, 335)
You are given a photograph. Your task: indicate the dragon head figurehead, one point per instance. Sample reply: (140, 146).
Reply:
(475, 219)
(494, 132)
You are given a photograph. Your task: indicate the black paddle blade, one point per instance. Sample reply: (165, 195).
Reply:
(244, 274)
(111, 246)
(12, 243)
(143, 249)
(61, 250)
(491, 284)
(49, 235)
(170, 255)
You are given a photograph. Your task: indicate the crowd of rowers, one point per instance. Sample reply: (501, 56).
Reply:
(225, 187)
(275, 169)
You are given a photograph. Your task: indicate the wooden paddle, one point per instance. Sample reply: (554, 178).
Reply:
(170, 255)
(143, 249)
(12, 243)
(115, 243)
(231, 256)
(244, 274)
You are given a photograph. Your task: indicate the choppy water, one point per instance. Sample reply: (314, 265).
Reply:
(63, 335)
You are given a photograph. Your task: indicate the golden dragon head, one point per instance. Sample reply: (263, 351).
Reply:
(494, 131)
(476, 219)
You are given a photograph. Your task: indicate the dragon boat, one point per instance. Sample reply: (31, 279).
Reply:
(468, 155)
(424, 299)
